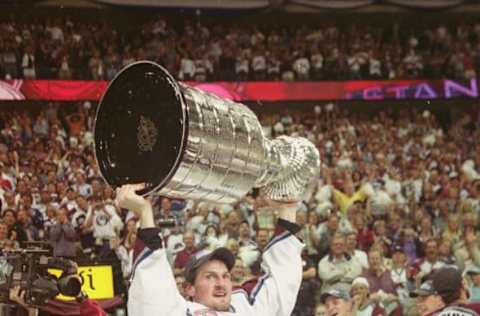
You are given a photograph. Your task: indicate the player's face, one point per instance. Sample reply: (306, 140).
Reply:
(213, 286)
(428, 304)
(335, 306)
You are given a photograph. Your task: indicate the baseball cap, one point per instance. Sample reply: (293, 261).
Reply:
(397, 248)
(335, 292)
(202, 257)
(473, 270)
(361, 281)
(447, 281)
(426, 289)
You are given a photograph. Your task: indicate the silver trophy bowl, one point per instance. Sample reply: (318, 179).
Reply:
(185, 143)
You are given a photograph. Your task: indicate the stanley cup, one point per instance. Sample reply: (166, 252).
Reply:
(185, 143)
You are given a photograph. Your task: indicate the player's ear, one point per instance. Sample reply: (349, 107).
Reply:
(189, 289)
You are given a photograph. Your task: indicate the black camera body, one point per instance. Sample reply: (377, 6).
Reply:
(28, 269)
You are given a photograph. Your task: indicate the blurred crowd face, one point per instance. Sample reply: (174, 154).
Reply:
(313, 218)
(375, 261)
(211, 231)
(399, 259)
(445, 248)
(82, 202)
(262, 238)
(426, 224)
(22, 217)
(51, 212)
(233, 218)
(62, 217)
(244, 230)
(332, 223)
(476, 279)
(320, 310)
(238, 271)
(453, 222)
(188, 240)
(9, 198)
(469, 221)
(3, 231)
(351, 242)
(166, 204)
(180, 281)
(431, 250)
(337, 245)
(232, 245)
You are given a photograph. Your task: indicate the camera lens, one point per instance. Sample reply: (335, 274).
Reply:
(70, 285)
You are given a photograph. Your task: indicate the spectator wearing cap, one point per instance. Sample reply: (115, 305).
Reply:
(338, 266)
(337, 301)
(449, 284)
(474, 274)
(427, 300)
(399, 272)
(362, 304)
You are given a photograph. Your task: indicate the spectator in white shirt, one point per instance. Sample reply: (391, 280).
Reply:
(28, 63)
(301, 66)
(316, 61)
(106, 224)
(187, 68)
(259, 65)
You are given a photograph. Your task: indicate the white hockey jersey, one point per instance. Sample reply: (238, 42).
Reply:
(153, 290)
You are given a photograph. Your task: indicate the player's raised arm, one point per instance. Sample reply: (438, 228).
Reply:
(153, 290)
(276, 291)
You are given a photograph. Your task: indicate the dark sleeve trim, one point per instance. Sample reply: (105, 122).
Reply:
(287, 225)
(151, 238)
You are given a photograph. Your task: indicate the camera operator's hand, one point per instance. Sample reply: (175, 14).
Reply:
(18, 296)
(129, 199)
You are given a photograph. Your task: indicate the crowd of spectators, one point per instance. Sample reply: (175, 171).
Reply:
(64, 48)
(398, 197)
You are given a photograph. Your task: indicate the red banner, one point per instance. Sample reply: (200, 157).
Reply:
(58, 90)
